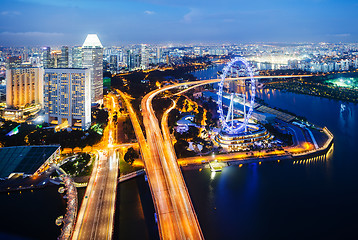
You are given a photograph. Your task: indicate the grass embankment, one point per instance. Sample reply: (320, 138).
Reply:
(125, 168)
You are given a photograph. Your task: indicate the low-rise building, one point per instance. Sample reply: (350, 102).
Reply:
(27, 160)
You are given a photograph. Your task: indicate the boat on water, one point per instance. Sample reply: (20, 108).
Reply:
(215, 166)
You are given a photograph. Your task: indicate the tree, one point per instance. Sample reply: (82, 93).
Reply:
(128, 129)
(173, 117)
(181, 148)
(130, 155)
(100, 116)
(209, 119)
(199, 116)
(181, 102)
(193, 132)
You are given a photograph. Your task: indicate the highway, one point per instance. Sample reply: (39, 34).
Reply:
(176, 215)
(136, 126)
(158, 187)
(204, 82)
(175, 212)
(165, 129)
(167, 223)
(95, 219)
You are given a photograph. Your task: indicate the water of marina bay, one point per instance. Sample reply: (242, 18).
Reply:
(272, 200)
(285, 200)
(31, 214)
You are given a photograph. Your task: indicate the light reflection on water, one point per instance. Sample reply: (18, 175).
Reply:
(266, 201)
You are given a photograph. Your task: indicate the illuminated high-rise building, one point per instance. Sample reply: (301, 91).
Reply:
(159, 54)
(144, 57)
(24, 86)
(46, 57)
(55, 59)
(63, 63)
(92, 58)
(14, 62)
(67, 97)
(76, 57)
(198, 51)
(113, 63)
(133, 60)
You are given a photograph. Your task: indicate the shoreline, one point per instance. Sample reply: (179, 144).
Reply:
(308, 91)
(298, 156)
(234, 162)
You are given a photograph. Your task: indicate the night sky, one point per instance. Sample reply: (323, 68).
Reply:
(67, 22)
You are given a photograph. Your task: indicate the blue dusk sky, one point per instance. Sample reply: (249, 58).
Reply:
(67, 22)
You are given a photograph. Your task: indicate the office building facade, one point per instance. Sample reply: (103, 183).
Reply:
(24, 86)
(133, 60)
(46, 57)
(113, 63)
(144, 57)
(67, 95)
(76, 57)
(64, 58)
(14, 62)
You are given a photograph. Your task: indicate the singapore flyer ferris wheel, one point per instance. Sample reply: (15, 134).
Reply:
(228, 124)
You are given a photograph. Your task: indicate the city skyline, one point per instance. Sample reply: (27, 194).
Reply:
(163, 119)
(40, 22)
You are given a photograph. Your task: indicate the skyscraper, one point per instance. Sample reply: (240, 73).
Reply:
(133, 60)
(144, 57)
(24, 86)
(77, 57)
(92, 58)
(14, 62)
(64, 58)
(159, 54)
(113, 63)
(67, 97)
(55, 59)
(46, 57)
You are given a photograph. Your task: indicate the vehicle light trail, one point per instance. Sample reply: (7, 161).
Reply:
(176, 215)
(96, 217)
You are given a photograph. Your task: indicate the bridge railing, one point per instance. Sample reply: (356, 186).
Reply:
(71, 210)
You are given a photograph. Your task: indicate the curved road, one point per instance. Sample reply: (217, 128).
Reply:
(176, 215)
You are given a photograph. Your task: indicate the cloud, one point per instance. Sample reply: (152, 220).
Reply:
(32, 34)
(229, 16)
(149, 12)
(10, 13)
(343, 35)
(191, 15)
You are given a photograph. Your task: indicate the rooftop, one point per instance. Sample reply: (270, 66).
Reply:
(92, 41)
(24, 159)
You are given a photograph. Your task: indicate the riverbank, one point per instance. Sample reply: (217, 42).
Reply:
(237, 158)
(251, 201)
(318, 89)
